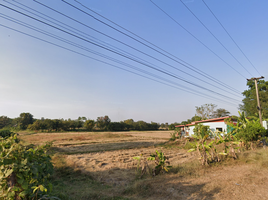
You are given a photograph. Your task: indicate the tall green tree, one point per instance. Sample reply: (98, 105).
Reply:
(4, 121)
(103, 122)
(25, 119)
(196, 118)
(89, 124)
(249, 105)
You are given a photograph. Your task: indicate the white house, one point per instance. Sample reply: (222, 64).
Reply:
(214, 124)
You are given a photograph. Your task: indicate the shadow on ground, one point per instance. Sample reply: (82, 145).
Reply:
(88, 148)
(70, 183)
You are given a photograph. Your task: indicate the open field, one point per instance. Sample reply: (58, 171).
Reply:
(100, 165)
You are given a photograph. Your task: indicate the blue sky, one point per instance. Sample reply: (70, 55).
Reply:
(52, 82)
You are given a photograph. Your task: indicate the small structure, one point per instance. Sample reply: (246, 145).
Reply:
(214, 124)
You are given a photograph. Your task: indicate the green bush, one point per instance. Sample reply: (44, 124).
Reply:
(24, 171)
(6, 133)
(252, 132)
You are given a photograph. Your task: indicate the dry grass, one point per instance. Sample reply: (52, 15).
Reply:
(110, 172)
(71, 137)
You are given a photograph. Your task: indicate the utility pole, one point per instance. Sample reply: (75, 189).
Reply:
(257, 94)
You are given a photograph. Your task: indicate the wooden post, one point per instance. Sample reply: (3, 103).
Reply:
(257, 94)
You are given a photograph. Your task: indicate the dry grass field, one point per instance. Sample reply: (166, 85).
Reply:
(100, 165)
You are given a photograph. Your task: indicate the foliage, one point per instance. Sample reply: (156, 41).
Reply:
(173, 136)
(4, 121)
(245, 129)
(205, 111)
(220, 112)
(195, 118)
(201, 133)
(201, 130)
(207, 151)
(249, 105)
(161, 162)
(142, 165)
(24, 171)
(103, 122)
(89, 124)
(171, 127)
(5, 133)
(25, 119)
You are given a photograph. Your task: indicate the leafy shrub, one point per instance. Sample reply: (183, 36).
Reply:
(159, 159)
(172, 136)
(161, 162)
(24, 172)
(252, 132)
(6, 133)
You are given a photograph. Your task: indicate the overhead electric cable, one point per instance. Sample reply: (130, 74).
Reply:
(120, 49)
(78, 32)
(215, 37)
(121, 33)
(111, 64)
(136, 50)
(191, 67)
(230, 36)
(166, 73)
(197, 39)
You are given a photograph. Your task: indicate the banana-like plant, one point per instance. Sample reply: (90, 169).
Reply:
(142, 165)
(202, 134)
(161, 162)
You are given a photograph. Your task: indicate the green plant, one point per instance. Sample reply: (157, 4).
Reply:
(247, 131)
(201, 133)
(161, 162)
(6, 133)
(172, 136)
(24, 172)
(142, 165)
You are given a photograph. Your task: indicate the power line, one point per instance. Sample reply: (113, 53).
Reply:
(126, 45)
(197, 39)
(230, 36)
(166, 73)
(190, 66)
(70, 27)
(121, 33)
(189, 91)
(215, 37)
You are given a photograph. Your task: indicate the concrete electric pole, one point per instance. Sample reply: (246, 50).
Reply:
(257, 93)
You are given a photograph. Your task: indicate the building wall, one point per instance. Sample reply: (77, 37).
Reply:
(213, 126)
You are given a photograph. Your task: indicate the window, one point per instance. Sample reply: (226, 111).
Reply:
(219, 129)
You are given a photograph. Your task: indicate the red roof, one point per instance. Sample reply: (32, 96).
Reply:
(207, 120)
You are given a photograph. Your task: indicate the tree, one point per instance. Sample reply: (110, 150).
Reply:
(220, 112)
(205, 111)
(4, 121)
(89, 124)
(103, 122)
(196, 118)
(25, 120)
(249, 105)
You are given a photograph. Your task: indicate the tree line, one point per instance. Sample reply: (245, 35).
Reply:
(206, 111)
(103, 123)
